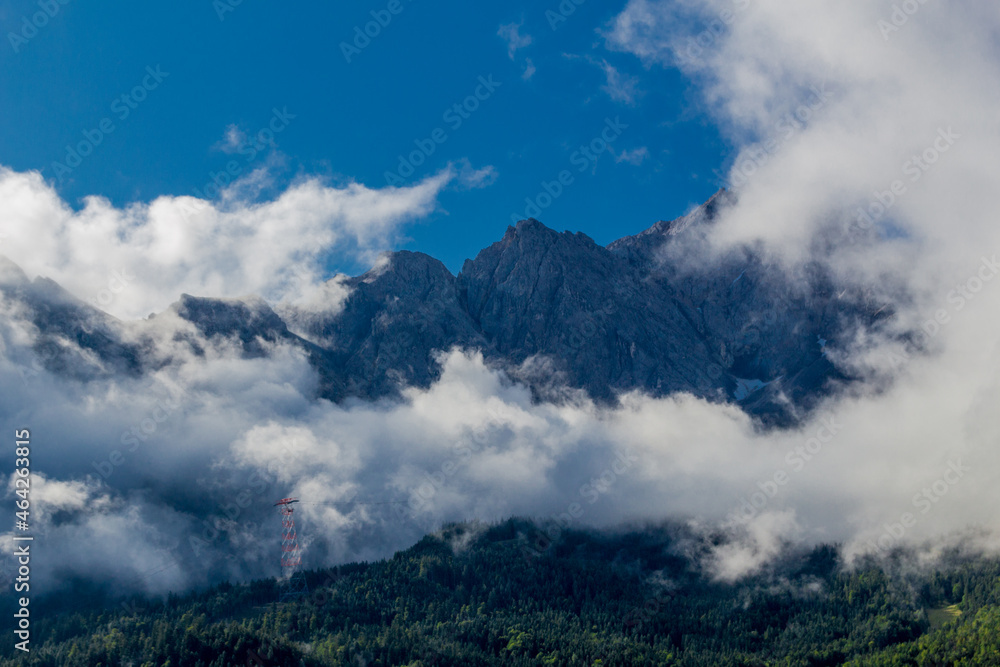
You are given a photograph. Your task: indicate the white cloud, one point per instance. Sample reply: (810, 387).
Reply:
(470, 178)
(756, 543)
(829, 116)
(135, 260)
(246, 432)
(619, 87)
(634, 157)
(529, 69)
(233, 141)
(476, 445)
(511, 33)
(884, 102)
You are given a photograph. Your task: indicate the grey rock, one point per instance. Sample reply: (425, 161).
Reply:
(547, 307)
(73, 338)
(538, 292)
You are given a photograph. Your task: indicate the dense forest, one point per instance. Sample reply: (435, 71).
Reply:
(504, 595)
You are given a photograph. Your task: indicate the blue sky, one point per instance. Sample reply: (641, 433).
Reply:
(897, 83)
(224, 77)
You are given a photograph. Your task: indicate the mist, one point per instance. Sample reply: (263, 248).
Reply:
(868, 149)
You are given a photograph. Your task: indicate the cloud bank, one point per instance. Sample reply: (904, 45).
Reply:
(869, 150)
(133, 261)
(864, 141)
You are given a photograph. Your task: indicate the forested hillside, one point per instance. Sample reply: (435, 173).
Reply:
(503, 595)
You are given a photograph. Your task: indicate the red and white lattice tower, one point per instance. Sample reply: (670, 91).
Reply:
(292, 583)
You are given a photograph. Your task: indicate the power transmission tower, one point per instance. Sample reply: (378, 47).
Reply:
(292, 583)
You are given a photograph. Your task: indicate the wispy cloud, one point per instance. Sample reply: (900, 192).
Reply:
(475, 443)
(475, 179)
(529, 69)
(619, 87)
(233, 141)
(634, 157)
(227, 248)
(511, 34)
(902, 144)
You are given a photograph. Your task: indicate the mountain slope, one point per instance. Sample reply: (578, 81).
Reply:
(549, 308)
(564, 296)
(486, 595)
(70, 337)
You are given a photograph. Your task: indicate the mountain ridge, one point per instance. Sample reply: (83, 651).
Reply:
(607, 320)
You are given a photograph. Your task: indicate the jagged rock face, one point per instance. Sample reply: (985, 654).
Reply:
(632, 316)
(72, 338)
(397, 317)
(768, 329)
(254, 325)
(384, 338)
(562, 295)
(251, 321)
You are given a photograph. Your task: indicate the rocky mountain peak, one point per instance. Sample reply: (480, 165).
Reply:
(605, 320)
(11, 274)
